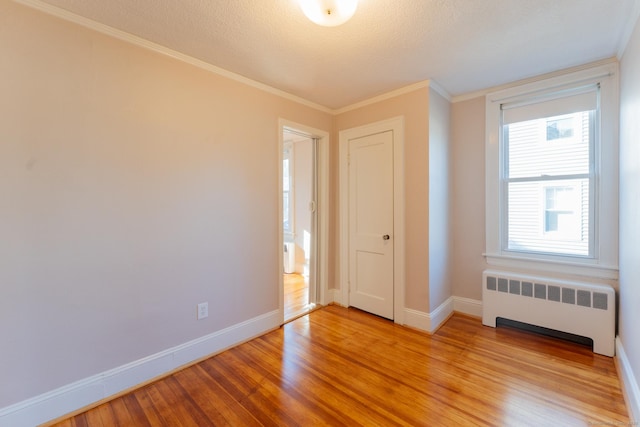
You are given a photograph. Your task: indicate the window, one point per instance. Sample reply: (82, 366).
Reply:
(552, 173)
(287, 188)
(560, 128)
(547, 175)
(563, 216)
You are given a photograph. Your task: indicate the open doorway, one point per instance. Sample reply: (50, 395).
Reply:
(299, 225)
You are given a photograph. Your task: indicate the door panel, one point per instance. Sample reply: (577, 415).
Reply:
(371, 247)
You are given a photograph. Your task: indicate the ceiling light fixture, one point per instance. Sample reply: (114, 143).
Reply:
(329, 13)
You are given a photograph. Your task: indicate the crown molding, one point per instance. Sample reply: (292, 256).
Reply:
(163, 50)
(432, 84)
(382, 97)
(441, 91)
(146, 44)
(484, 92)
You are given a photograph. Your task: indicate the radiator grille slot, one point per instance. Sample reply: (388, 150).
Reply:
(514, 287)
(584, 298)
(600, 301)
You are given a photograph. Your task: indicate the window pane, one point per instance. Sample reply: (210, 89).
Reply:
(549, 217)
(547, 174)
(559, 128)
(285, 211)
(285, 175)
(532, 153)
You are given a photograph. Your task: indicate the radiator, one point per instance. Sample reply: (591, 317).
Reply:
(583, 309)
(289, 257)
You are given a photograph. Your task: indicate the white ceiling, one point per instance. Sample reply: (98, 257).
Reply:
(463, 45)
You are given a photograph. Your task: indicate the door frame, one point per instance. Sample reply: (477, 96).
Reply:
(396, 125)
(322, 209)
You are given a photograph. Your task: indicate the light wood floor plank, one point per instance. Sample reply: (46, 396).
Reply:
(341, 366)
(296, 295)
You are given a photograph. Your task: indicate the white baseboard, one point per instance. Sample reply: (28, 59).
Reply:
(335, 296)
(429, 322)
(70, 398)
(417, 319)
(629, 383)
(467, 306)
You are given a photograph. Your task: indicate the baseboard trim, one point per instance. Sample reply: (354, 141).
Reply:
(83, 393)
(629, 382)
(467, 306)
(417, 319)
(335, 296)
(429, 322)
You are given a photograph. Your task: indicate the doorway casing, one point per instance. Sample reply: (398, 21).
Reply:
(396, 125)
(322, 208)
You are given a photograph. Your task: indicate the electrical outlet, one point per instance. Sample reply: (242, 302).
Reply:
(203, 310)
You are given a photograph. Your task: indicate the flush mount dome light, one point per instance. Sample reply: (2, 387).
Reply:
(329, 13)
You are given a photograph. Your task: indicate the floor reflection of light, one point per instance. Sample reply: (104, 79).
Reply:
(526, 410)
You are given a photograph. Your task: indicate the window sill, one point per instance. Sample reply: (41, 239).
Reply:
(588, 269)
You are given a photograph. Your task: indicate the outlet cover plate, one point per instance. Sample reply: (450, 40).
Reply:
(203, 310)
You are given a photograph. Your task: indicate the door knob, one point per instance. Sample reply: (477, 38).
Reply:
(385, 237)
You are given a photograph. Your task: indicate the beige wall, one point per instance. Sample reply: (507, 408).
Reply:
(629, 315)
(130, 185)
(468, 193)
(414, 106)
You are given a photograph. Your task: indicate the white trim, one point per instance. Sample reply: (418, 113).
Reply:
(77, 395)
(322, 269)
(440, 90)
(629, 381)
(138, 41)
(334, 296)
(146, 44)
(417, 319)
(553, 266)
(440, 315)
(383, 97)
(628, 29)
(484, 92)
(429, 322)
(396, 125)
(467, 306)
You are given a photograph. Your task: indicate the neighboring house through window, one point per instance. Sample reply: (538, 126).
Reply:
(287, 190)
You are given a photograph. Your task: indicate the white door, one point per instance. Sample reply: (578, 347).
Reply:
(371, 240)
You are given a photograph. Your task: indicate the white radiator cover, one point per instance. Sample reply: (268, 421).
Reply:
(582, 309)
(289, 257)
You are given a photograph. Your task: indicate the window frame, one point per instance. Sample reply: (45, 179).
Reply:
(604, 261)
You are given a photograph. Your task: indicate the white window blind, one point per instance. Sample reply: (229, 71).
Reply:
(548, 173)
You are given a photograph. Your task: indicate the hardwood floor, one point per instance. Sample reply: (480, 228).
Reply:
(296, 296)
(341, 366)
